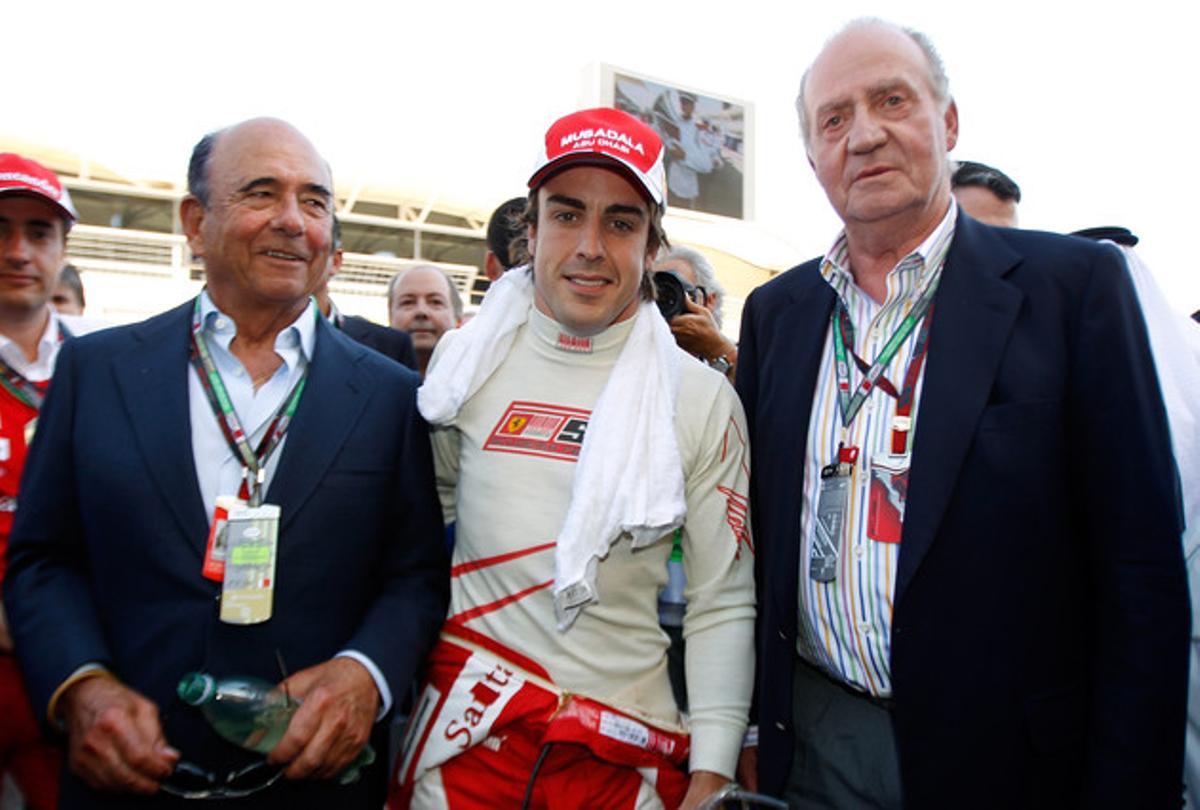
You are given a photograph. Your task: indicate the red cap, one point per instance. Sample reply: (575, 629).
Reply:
(604, 136)
(19, 175)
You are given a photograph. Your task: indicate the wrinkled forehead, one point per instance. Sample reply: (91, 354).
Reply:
(423, 281)
(862, 58)
(270, 150)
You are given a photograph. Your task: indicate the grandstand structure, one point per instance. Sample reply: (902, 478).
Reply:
(134, 260)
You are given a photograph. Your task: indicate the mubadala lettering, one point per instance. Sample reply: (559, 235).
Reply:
(614, 138)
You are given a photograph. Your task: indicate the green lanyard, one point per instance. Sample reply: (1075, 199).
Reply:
(24, 391)
(254, 461)
(848, 404)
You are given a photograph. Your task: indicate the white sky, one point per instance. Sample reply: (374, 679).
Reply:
(1090, 106)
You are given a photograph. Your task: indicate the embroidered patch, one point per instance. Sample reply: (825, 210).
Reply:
(571, 343)
(538, 429)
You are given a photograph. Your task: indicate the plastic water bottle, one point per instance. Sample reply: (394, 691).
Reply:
(251, 713)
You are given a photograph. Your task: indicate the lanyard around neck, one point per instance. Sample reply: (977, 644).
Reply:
(15, 383)
(254, 461)
(843, 335)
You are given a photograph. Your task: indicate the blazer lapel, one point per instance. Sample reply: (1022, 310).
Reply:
(974, 312)
(793, 360)
(334, 397)
(152, 381)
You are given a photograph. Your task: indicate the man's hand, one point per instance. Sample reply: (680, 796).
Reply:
(702, 785)
(747, 768)
(333, 723)
(114, 739)
(696, 332)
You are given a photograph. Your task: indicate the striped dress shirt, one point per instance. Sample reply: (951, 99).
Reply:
(845, 625)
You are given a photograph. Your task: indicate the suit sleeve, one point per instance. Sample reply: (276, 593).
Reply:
(401, 625)
(55, 624)
(1125, 502)
(747, 389)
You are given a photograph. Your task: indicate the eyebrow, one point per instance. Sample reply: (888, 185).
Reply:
(311, 188)
(570, 202)
(874, 91)
(36, 223)
(633, 210)
(888, 86)
(615, 208)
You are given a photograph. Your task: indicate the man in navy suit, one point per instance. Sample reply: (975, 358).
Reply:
(971, 590)
(114, 585)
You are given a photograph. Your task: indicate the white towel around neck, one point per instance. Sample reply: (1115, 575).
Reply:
(629, 476)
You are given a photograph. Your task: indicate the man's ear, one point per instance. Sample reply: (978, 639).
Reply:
(492, 267)
(191, 215)
(531, 241)
(951, 120)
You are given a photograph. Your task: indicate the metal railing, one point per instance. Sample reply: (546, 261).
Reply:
(118, 250)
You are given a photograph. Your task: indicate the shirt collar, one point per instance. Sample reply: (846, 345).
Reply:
(835, 267)
(49, 338)
(51, 334)
(550, 333)
(221, 328)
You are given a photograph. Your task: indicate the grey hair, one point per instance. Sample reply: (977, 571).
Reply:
(456, 301)
(197, 177)
(939, 82)
(706, 277)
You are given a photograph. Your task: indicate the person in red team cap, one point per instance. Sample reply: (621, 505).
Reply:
(571, 438)
(35, 216)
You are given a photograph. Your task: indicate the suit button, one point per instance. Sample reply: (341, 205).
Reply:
(781, 725)
(783, 636)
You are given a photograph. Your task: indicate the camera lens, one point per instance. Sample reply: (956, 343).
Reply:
(670, 291)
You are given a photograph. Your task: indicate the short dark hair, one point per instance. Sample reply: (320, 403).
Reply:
(198, 166)
(70, 276)
(970, 173)
(655, 240)
(506, 232)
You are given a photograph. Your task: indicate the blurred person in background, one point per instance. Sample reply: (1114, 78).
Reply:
(35, 217)
(987, 194)
(424, 302)
(68, 295)
(391, 343)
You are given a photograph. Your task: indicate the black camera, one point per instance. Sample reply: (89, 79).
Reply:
(670, 292)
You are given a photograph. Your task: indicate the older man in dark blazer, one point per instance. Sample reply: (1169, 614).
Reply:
(971, 586)
(113, 589)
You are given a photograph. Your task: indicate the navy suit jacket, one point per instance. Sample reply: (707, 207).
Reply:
(106, 550)
(1040, 638)
(389, 342)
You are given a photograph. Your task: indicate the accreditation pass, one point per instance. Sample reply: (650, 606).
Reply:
(252, 540)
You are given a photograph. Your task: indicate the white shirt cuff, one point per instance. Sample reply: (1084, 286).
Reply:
(385, 694)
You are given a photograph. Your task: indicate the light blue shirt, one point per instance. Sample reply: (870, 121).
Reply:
(218, 469)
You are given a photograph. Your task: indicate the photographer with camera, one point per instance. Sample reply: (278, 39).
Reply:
(690, 298)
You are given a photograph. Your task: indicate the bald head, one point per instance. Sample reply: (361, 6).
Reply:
(199, 185)
(260, 216)
(423, 301)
